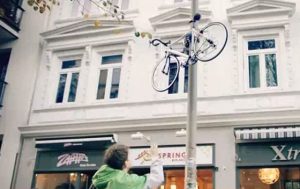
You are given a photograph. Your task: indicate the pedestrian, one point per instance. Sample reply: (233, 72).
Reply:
(114, 173)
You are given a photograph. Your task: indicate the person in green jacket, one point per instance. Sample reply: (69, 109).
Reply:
(114, 173)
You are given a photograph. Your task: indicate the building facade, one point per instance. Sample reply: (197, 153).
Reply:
(91, 87)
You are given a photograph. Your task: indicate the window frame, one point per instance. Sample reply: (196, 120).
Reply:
(240, 52)
(109, 67)
(69, 72)
(262, 63)
(181, 80)
(1, 143)
(181, 75)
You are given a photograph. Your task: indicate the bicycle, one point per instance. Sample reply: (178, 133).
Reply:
(209, 42)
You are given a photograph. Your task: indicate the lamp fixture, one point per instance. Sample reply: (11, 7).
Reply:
(268, 175)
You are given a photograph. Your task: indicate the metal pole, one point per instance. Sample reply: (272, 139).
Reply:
(190, 167)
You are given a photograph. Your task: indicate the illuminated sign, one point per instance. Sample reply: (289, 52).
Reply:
(171, 155)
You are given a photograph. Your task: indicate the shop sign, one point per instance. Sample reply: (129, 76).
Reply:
(284, 153)
(266, 153)
(171, 156)
(68, 161)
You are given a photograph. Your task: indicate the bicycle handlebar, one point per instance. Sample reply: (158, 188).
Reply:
(156, 42)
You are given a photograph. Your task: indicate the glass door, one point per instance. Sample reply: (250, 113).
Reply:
(70, 180)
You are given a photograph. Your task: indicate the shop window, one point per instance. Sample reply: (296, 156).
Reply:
(68, 81)
(62, 181)
(109, 77)
(175, 179)
(274, 178)
(261, 63)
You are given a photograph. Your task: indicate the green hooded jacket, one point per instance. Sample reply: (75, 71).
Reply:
(109, 178)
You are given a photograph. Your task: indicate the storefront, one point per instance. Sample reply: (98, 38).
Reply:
(268, 158)
(173, 158)
(68, 163)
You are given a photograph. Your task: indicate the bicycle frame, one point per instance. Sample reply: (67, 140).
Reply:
(203, 44)
(195, 34)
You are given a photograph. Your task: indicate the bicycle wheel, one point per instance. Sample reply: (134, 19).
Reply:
(211, 42)
(165, 73)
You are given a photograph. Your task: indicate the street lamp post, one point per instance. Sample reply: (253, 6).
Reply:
(190, 167)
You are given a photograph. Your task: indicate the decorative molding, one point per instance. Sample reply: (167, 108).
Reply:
(260, 14)
(130, 44)
(126, 70)
(129, 14)
(48, 59)
(290, 73)
(235, 60)
(175, 22)
(87, 55)
(204, 4)
(78, 27)
(82, 34)
(255, 15)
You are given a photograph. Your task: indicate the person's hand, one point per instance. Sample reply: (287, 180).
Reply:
(153, 150)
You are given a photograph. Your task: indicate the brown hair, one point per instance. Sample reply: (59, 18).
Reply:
(116, 155)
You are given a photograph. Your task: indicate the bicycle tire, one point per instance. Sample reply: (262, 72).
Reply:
(215, 33)
(161, 79)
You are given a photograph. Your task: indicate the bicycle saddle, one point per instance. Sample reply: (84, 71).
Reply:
(196, 18)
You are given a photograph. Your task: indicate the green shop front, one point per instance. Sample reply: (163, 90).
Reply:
(68, 163)
(268, 158)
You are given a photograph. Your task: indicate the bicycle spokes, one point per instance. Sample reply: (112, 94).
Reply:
(165, 73)
(212, 40)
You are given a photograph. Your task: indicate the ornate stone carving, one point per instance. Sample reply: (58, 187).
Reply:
(88, 54)
(48, 58)
(288, 54)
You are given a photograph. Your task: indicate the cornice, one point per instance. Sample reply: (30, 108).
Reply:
(244, 119)
(261, 8)
(87, 28)
(177, 16)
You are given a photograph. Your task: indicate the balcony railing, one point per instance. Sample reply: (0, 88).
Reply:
(2, 90)
(11, 13)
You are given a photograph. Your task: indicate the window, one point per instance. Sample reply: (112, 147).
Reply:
(287, 178)
(109, 77)
(62, 180)
(68, 81)
(4, 60)
(175, 179)
(261, 63)
(181, 83)
(1, 138)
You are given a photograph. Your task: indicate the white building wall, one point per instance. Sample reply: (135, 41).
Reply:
(220, 81)
(21, 77)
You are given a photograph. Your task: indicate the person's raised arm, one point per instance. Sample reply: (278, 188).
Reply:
(156, 176)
